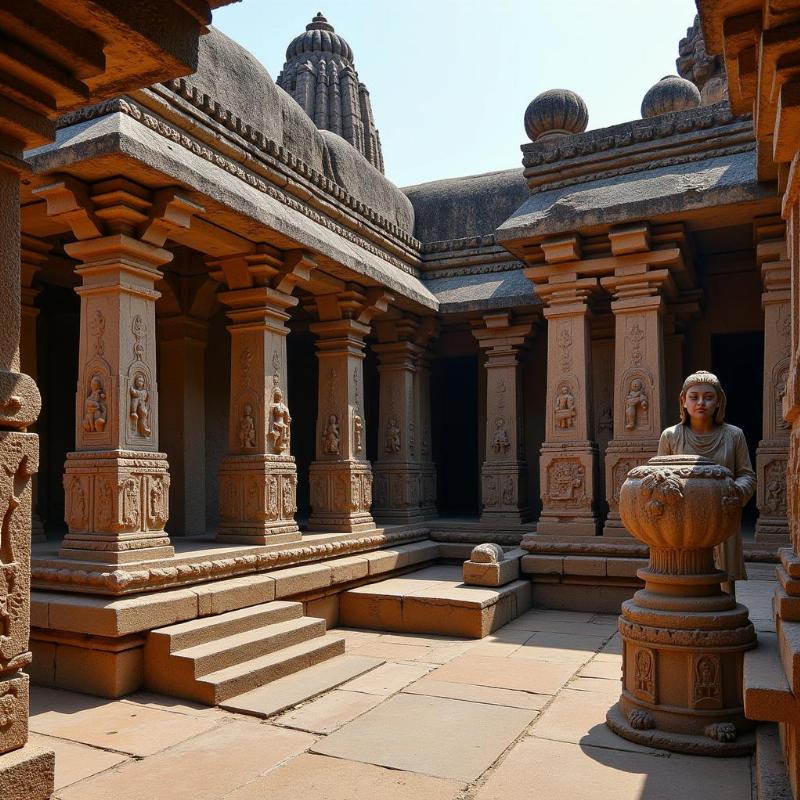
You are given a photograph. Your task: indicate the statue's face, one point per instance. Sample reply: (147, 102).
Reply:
(701, 401)
(636, 385)
(139, 382)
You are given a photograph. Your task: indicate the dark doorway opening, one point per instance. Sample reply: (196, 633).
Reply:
(303, 375)
(454, 413)
(737, 359)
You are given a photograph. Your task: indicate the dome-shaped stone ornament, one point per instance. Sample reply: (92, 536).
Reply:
(671, 93)
(556, 112)
(683, 638)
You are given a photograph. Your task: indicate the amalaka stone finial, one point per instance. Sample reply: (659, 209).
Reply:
(319, 23)
(556, 112)
(671, 93)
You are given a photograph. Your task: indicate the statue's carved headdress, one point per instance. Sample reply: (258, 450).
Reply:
(711, 380)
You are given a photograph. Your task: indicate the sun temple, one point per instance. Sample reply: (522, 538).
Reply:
(275, 431)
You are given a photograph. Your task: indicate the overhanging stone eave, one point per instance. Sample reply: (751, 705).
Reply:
(658, 195)
(79, 147)
(519, 303)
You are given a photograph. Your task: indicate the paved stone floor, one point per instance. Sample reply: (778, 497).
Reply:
(517, 715)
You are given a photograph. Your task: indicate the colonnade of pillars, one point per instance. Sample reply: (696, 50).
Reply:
(117, 481)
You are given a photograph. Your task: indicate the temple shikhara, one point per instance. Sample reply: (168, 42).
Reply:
(315, 486)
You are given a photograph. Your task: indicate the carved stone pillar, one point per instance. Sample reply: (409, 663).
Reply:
(34, 254)
(405, 476)
(258, 477)
(639, 373)
(182, 348)
(340, 476)
(773, 450)
(20, 404)
(504, 474)
(117, 481)
(398, 474)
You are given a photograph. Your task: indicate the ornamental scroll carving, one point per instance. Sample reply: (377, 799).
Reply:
(634, 339)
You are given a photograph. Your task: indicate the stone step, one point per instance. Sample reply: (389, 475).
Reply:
(208, 629)
(434, 600)
(225, 652)
(216, 687)
(277, 696)
(767, 695)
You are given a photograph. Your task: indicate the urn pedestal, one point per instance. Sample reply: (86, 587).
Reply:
(683, 638)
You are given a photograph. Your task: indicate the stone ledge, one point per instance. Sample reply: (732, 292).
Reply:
(767, 695)
(771, 778)
(27, 774)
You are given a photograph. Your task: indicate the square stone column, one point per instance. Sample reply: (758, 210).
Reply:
(117, 481)
(504, 474)
(258, 477)
(33, 256)
(182, 349)
(25, 771)
(772, 454)
(340, 476)
(639, 370)
(398, 470)
(568, 460)
(427, 467)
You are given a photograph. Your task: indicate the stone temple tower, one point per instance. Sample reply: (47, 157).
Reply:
(319, 74)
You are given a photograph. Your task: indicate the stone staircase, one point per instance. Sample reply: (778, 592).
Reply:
(212, 659)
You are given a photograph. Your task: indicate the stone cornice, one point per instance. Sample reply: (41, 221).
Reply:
(637, 146)
(267, 164)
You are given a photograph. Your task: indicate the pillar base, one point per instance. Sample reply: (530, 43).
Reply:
(27, 774)
(683, 646)
(258, 499)
(341, 496)
(568, 481)
(621, 457)
(401, 488)
(505, 493)
(676, 742)
(116, 507)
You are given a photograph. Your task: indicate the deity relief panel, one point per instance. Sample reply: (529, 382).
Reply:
(280, 422)
(775, 501)
(501, 444)
(103, 504)
(705, 681)
(636, 386)
(564, 410)
(392, 435)
(247, 428)
(644, 662)
(76, 502)
(566, 484)
(779, 381)
(95, 416)
(357, 423)
(331, 444)
(157, 502)
(141, 402)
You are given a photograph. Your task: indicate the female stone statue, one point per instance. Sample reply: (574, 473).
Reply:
(634, 400)
(281, 422)
(140, 406)
(94, 407)
(330, 436)
(702, 431)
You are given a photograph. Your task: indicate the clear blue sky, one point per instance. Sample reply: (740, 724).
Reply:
(450, 81)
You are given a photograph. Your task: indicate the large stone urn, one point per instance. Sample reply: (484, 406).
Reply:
(683, 638)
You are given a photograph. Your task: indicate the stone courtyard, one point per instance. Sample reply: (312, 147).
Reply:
(517, 713)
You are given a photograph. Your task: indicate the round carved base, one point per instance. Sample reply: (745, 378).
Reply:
(689, 744)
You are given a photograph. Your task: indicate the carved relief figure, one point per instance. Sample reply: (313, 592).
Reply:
(158, 503)
(330, 436)
(140, 406)
(76, 504)
(98, 328)
(635, 399)
(94, 407)
(130, 503)
(702, 431)
(272, 497)
(706, 679)
(247, 428)
(8, 709)
(780, 390)
(280, 422)
(392, 435)
(565, 412)
(104, 504)
(644, 674)
(500, 441)
(775, 488)
(358, 428)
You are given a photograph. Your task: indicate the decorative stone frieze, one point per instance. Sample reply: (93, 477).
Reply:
(116, 484)
(258, 477)
(772, 454)
(504, 473)
(639, 373)
(340, 479)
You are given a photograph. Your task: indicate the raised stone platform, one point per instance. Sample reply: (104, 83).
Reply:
(434, 600)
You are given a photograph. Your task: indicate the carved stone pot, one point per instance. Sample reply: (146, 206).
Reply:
(683, 638)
